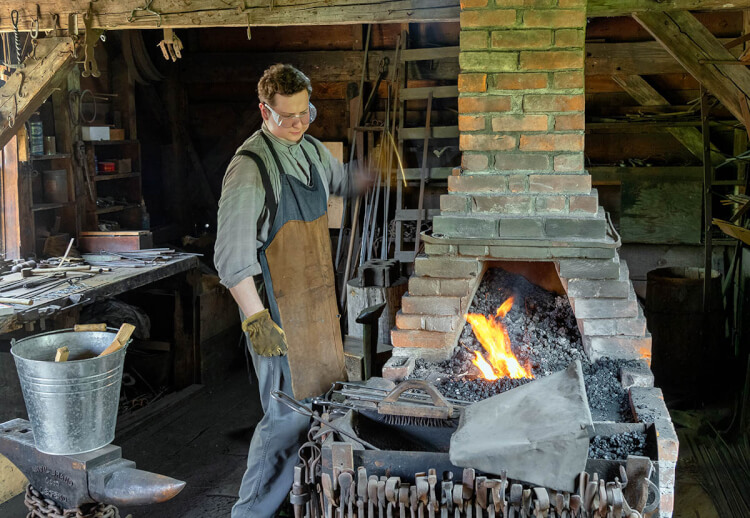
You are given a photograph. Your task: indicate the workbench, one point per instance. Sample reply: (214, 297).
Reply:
(102, 285)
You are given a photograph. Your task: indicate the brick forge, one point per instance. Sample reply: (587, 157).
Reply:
(522, 194)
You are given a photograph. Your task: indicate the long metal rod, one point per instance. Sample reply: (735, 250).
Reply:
(351, 156)
(707, 206)
(391, 146)
(423, 174)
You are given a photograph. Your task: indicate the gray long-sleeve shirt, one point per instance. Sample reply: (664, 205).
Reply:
(243, 219)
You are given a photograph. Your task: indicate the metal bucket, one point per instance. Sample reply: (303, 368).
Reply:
(72, 405)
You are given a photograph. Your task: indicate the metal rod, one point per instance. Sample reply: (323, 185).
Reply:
(423, 174)
(351, 157)
(707, 207)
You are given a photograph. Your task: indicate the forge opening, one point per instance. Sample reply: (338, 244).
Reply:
(525, 305)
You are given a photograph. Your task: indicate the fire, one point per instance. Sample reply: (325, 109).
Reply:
(493, 336)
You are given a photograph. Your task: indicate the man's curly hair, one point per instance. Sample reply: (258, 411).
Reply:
(282, 79)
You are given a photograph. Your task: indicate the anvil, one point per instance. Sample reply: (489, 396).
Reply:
(99, 476)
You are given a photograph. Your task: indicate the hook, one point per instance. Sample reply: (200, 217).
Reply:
(146, 8)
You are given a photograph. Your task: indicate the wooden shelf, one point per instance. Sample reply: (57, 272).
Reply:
(110, 142)
(56, 156)
(102, 177)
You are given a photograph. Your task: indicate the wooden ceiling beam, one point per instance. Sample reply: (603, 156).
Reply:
(647, 95)
(690, 43)
(600, 8)
(176, 14)
(30, 86)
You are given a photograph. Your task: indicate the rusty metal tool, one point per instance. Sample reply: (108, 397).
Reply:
(391, 494)
(480, 496)
(403, 500)
(469, 475)
(413, 501)
(434, 504)
(446, 498)
(575, 506)
(381, 498)
(346, 479)
(458, 500)
(298, 493)
(90, 68)
(361, 491)
(526, 502)
(541, 502)
(516, 498)
(170, 45)
(372, 495)
(327, 484)
(423, 491)
(492, 485)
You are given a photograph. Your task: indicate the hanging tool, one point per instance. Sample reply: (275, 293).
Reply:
(147, 9)
(171, 46)
(423, 174)
(14, 21)
(90, 68)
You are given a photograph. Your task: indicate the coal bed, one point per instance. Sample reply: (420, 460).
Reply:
(543, 336)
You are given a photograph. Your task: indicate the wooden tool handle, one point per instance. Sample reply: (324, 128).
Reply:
(24, 302)
(123, 335)
(62, 354)
(84, 268)
(90, 327)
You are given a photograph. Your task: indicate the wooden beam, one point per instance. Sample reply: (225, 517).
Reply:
(691, 43)
(176, 14)
(645, 94)
(599, 8)
(29, 87)
(641, 58)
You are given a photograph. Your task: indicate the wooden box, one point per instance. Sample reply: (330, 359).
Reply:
(120, 241)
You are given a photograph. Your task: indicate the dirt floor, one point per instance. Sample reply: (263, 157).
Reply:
(204, 440)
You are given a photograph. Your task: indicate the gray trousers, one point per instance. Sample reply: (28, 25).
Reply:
(273, 448)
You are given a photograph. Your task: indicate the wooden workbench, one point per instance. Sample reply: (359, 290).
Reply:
(100, 286)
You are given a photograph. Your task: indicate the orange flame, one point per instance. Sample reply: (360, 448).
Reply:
(504, 308)
(485, 368)
(493, 336)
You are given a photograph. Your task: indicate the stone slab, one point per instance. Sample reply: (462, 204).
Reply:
(597, 269)
(618, 347)
(637, 376)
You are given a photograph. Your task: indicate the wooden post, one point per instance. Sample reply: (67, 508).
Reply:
(708, 171)
(18, 225)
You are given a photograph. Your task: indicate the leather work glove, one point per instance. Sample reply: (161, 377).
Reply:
(266, 337)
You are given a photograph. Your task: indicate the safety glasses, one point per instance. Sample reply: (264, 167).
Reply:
(284, 121)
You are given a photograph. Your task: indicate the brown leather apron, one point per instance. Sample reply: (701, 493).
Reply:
(299, 279)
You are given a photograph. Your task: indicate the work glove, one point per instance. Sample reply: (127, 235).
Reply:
(266, 337)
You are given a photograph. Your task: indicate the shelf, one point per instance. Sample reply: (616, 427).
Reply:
(101, 177)
(47, 206)
(110, 142)
(56, 156)
(114, 208)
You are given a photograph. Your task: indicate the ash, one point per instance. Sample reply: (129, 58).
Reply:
(617, 446)
(544, 337)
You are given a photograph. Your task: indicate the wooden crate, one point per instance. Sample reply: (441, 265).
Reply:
(120, 241)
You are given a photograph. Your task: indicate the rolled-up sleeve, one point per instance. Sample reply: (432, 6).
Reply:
(240, 207)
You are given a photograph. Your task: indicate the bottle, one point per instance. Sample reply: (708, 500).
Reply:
(145, 217)
(36, 134)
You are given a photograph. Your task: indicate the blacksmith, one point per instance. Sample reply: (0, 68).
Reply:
(273, 231)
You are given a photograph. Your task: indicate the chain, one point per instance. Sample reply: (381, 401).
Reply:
(40, 507)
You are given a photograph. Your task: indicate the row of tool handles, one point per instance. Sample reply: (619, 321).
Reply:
(350, 495)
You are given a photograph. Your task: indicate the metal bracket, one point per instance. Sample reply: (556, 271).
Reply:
(146, 8)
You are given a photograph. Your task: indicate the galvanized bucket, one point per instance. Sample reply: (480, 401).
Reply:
(72, 405)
